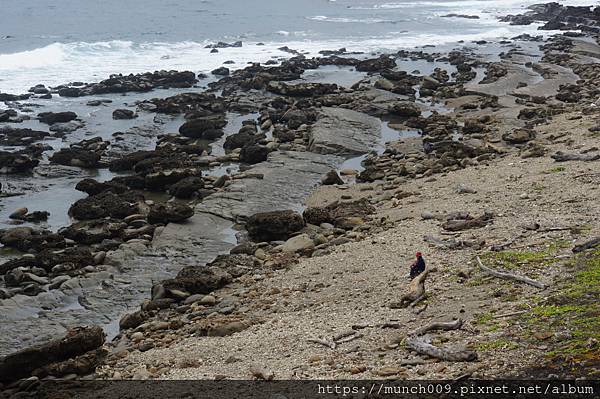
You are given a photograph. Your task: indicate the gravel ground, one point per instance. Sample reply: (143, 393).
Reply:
(353, 286)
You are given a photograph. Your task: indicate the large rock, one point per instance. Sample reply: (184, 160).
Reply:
(299, 243)
(254, 154)
(197, 280)
(239, 140)
(186, 188)
(208, 128)
(519, 136)
(56, 117)
(344, 132)
(376, 64)
(76, 342)
(14, 162)
(169, 213)
(123, 114)
(404, 109)
(274, 226)
(30, 239)
(76, 157)
(106, 204)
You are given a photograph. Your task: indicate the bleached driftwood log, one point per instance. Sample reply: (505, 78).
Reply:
(510, 276)
(423, 346)
(439, 325)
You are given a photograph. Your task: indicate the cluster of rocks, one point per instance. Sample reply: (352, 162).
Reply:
(186, 304)
(559, 17)
(130, 83)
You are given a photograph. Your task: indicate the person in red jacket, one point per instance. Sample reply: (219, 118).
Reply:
(418, 266)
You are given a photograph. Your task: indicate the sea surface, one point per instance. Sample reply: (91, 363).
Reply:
(59, 41)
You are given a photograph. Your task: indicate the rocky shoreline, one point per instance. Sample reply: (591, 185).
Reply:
(198, 244)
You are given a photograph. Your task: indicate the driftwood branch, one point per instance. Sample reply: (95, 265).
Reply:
(586, 245)
(416, 291)
(421, 345)
(510, 276)
(500, 316)
(439, 325)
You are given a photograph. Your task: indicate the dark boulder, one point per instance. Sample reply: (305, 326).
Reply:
(106, 204)
(331, 178)
(76, 157)
(198, 280)
(169, 213)
(29, 239)
(274, 226)
(77, 341)
(15, 162)
(123, 114)
(222, 71)
(208, 128)
(127, 162)
(253, 154)
(93, 187)
(56, 117)
(376, 64)
(187, 187)
(239, 140)
(73, 258)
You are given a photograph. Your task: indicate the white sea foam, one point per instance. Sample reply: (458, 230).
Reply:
(60, 63)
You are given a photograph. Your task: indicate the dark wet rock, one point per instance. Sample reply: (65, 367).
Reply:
(222, 71)
(137, 83)
(93, 231)
(205, 103)
(10, 136)
(332, 178)
(69, 258)
(284, 135)
(302, 89)
(519, 136)
(34, 217)
(169, 213)
(56, 117)
(94, 187)
(123, 114)
(224, 45)
(376, 64)
(239, 140)
(187, 187)
(274, 226)
(338, 212)
(106, 204)
(371, 174)
(493, 72)
(158, 181)
(16, 162)
(28, 238)
(133, 320)
(198, 280)
(127, 162)
(76, 157)
(208, 128)
(63, 128)
(70, 92)
(253, 154)
(404, 109)
(77, 341)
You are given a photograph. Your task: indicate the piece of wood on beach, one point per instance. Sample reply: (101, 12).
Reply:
(423, 346)
(416, 291)
(439, 325)
(510, 276)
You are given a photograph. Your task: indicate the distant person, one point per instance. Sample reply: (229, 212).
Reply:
(418, 266)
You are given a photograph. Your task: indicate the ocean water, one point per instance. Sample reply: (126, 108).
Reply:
(59, 41)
